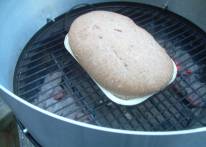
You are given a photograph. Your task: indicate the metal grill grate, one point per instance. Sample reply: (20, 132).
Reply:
(47, 75)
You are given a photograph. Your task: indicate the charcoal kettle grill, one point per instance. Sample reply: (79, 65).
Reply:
(55, 101)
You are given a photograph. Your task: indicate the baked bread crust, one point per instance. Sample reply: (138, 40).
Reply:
(121, 56)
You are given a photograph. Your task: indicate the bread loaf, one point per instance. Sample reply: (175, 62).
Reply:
(121, 56)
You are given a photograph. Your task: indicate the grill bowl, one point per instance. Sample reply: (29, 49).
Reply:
(49, 77)
(50, 129)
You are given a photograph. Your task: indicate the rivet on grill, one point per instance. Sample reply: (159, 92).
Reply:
(25, 131)
(100, 102)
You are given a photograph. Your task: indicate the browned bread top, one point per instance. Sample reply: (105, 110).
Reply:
(121, 56)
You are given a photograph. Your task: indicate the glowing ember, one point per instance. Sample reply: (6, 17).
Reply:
(188, 72)
(178, 66)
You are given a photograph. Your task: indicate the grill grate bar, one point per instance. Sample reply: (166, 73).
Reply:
(97, 118)
(195, 99)
(51, 39)
(187, 67)
(172, 38)
(191, 115)
(184, 97)
(135, 13)
(152, 126)
(194, 90)
(122, 115)
(39, 59)
(35, 73)
(136, 119)
(42, 71)
(153, 115)
(187, 39)
(146, 21)
(142, 17)
(176, 108)
(101, 105)
(27, 84)
(85, 107)
(42, 50)
(23, 69)
(165, 29)
(189, 50)
(115, 105)
(163, 114)
(155, 24)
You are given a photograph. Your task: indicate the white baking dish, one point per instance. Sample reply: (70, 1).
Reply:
(114, 98)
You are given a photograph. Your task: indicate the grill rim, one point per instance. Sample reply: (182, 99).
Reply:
(102, 128)
(131, 4)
